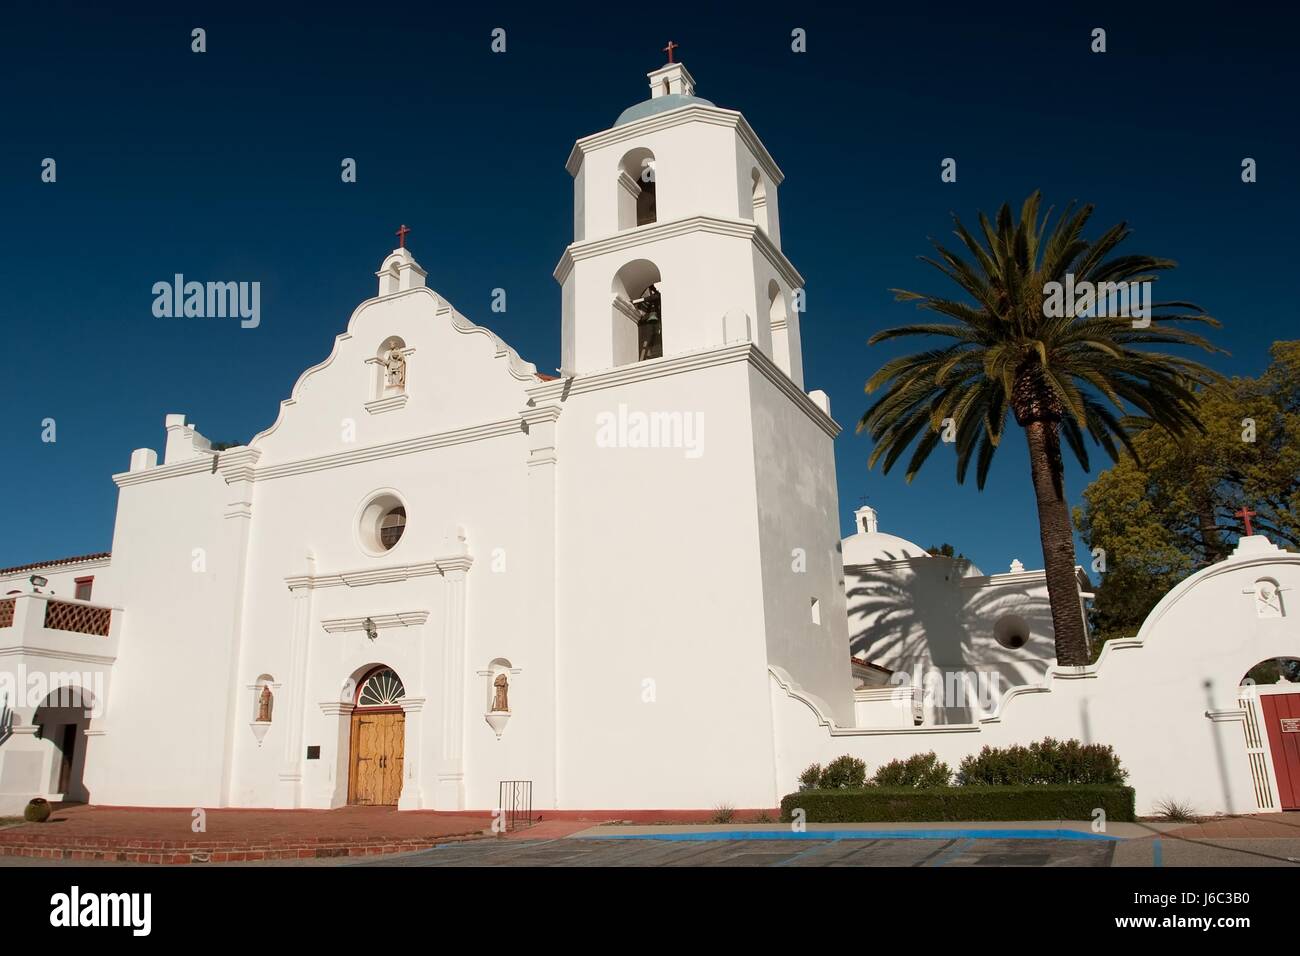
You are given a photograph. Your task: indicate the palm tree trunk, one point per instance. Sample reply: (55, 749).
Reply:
(1058, 542)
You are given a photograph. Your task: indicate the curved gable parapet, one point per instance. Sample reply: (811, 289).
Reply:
(1271, 556)
(519, 369)
(416, 320)
(1255, 561)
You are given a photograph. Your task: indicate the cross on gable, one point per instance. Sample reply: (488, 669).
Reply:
(1245, 514)
(401, 236)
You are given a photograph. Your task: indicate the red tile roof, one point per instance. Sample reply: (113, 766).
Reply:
(57, 562)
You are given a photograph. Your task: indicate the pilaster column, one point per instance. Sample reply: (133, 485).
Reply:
(412, 748)
(239, 469)
(288, 791)
(334, 792)
(450, 793)
(540, 594)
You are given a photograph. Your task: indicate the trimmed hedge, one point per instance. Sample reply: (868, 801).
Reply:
(1040, 802)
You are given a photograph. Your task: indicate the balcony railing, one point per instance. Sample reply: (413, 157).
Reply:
(43, 622)
(81, 618)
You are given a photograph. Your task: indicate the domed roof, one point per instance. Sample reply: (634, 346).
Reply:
(658, 104)
(869, 547)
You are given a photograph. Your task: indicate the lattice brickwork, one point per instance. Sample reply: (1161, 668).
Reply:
(7, 613)
(82, 618)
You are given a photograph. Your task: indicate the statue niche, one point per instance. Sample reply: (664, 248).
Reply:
(389, 370)
(395, 369)
(500, 695)
(265, 703)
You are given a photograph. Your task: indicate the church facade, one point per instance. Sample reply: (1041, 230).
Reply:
(431, 573)
(437, 575)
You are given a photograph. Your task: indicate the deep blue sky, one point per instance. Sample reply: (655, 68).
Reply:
(226, 166)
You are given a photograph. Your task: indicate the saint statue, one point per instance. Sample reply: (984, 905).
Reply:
(265, 701)
(500, 701)
(395, 368)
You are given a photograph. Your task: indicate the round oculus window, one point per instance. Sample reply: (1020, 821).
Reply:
(383, 522)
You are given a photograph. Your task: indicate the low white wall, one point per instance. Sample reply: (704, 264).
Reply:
(1167, 701)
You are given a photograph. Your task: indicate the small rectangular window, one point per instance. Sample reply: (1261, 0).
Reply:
(816, 612)
(84, 586)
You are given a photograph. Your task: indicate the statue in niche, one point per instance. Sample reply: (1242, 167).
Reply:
(500, 695)
(265, 701)
(395, 368)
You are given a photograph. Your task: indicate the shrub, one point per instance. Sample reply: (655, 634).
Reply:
(37, 810)
(808, 779)
(723, 813)
(842, 773)
(1040, 802)
(919, 770)
(1047, 761)
(1175, 811)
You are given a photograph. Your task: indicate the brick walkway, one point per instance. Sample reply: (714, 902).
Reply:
(164, 835)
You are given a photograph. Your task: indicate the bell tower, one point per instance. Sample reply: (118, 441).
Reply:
(696, 543)
(677, 238)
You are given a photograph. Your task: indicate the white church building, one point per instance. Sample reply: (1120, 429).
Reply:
(439, 570)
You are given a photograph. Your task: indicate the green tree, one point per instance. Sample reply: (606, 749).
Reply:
(1060, 374)
(1172, 509)
(946, 550)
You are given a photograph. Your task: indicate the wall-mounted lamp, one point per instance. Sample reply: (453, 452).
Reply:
(37, 581)
(372, 632)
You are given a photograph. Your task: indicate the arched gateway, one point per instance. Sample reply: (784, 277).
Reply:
(377, 740)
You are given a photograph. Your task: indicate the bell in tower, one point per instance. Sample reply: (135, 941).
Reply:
(675, 207)
(650, 342)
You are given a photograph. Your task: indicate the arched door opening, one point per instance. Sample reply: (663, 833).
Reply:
(1271, 697)
(377, 741)
(63, 718)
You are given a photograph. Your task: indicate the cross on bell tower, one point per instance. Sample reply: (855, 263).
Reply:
(401, 235)
(669, 50)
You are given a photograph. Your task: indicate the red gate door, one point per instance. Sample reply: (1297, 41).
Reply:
(1282, 718)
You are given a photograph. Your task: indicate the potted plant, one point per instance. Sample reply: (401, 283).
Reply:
(37, 810)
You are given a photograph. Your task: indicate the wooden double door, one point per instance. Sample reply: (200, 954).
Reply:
(378, 744)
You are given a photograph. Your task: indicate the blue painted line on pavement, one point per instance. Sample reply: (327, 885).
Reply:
(957, 834)
(950, 854)
(1156, 852)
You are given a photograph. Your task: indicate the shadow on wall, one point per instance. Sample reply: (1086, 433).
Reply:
(920, 615)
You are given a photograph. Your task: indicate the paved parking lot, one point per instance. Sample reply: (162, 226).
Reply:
(810, 852)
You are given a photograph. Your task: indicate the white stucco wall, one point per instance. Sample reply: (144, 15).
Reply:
(933, 621)
(1167, 701)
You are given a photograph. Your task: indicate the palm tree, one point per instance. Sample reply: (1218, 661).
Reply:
(1058, 373)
